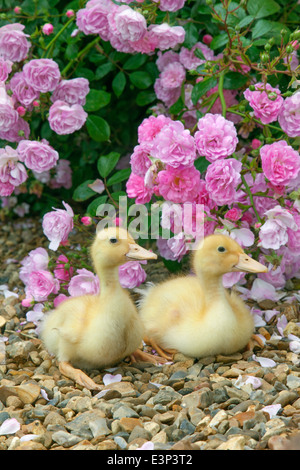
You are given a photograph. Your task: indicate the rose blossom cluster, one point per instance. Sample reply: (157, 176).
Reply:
(163, 165)
(127, 29)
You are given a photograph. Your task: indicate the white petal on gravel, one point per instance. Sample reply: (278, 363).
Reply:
(147, 446)
(102, 393)
(272, 409)
(28, 437)
(110, 378)
(264, 361)
(44, 394)
(9, 426)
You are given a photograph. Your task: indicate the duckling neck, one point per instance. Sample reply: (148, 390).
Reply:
(212, 286)
(109, 279)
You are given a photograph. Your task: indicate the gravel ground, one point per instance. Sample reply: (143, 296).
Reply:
(185, 405)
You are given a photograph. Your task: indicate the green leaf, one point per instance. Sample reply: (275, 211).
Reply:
(177, 107)
(260, 28)
(262, 8)
(118, 84)
(98, 128)
(103, 70)
(219, 41)
(234, 80)
(141, 79)
(245, 21)
(93, 206)
(191, 35)
(135, 62)
(202, 87)
(145, 97)
(119, 176)
(96, 99)
(83, 192)
(107, 163)
(201, 164)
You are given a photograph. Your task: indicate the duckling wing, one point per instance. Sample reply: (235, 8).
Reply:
(173, 302)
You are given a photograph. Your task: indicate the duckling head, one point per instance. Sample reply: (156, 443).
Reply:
(219, 254)
(114, 246)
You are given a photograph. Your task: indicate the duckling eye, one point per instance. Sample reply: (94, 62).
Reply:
(113, 240)
(221, 249)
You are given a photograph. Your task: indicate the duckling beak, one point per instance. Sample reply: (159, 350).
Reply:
(249, 265)
(137, 252)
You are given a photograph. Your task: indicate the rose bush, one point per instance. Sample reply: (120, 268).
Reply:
(166, 102)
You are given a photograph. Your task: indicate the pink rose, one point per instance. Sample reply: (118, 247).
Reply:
(63, 175)
(165, 59)
(222, 178)
(36, 260)
(179, 184)
(13, 43)
(289, 116)
(128, 24)
(168, 96)
(72, 91)
(171, 5)
(167, 36)
(151, 126)
(172, 76)
(37, 156)
(274, 232)
(233, 214)
(57, 225)
(188, 58)
(280, 162)
(8, 115)
(13, 134)
(47, 28)
(174, 145)
(294, 236)
(84, 283)
(173, 248)
(12, 172)
(136, 189)
(131, 274)
(40, 285)
(59, 299)
(93, 18)
(139, 160)
(42, 75)
(5, 69)
(265, 109)
(216, 137)
(65, 119)
(61, 272)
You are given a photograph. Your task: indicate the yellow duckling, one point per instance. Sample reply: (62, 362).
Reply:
(195, 314)
(94, 331)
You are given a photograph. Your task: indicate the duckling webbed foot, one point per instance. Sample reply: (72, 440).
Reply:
(166, 353)
(78, 376)
(255, 341)
(140, 355)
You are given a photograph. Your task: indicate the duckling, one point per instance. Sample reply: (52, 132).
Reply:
(195, 314)
(95, 331)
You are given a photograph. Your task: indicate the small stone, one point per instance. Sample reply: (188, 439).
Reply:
(234, 443)
(99, 427)
(128, 424)
(65, 439)
(124, 411)
(160, 437)
(292, 328)
(293, 382)
(139, 433)
(107, 445)
(152, 427)
(165, 396)
(218, 418)
(120, 441)
(53, 418)
(285, 397)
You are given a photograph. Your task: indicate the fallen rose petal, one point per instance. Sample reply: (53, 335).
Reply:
(272, 410)
(28, 437)
(147, 446)
(102, 393)
(270, 314)
(109, 378)
(254, 381)
(264, 361)
(281, 324)
(295, 346)
(10, 426)
(97, 186)
(44, 394)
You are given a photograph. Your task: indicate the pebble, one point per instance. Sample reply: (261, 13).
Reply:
(186, 405)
